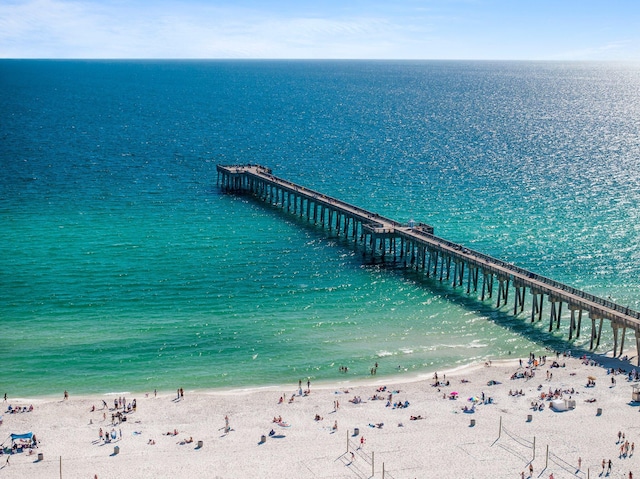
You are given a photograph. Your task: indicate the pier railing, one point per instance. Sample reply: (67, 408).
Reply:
(528, 278)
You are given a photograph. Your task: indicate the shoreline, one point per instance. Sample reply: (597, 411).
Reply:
(354, 381)
(351, 381)
(446, 428)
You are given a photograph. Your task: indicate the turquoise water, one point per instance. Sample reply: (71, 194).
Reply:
(124, 268)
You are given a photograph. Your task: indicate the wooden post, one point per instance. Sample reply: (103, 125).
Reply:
(347, 440)
(373, 468)
(624, 331)
(552, 316)
(559, 315)
(484, 284)
(546, 464)
(500, 428)
(540, 310)
(614, 327)
(534, 449)
(599, 333)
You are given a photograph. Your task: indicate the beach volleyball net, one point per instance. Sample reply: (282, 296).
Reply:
(525, 449)
(521, 447)
(362, 463)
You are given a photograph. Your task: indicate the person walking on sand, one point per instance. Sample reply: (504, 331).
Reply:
(609, 467)
(579, 463)
(530, 470)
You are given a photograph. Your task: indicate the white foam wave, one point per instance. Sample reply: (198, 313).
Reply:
(383, 354)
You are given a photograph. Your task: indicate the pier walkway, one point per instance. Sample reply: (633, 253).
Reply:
(436, 257)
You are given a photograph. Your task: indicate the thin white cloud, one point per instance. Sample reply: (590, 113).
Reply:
(197, 29)
(53, 28)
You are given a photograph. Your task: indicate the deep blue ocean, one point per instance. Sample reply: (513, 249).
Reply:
(124, 268)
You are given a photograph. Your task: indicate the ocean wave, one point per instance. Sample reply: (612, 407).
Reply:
(383, 354)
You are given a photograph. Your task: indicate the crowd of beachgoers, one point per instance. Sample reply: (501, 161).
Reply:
(494, 419)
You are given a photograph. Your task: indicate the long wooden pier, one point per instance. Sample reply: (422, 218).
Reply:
(417, 246)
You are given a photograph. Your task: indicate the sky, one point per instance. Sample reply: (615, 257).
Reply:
(331, 29)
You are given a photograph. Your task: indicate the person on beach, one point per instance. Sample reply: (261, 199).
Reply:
(66, 395)
(530, 470)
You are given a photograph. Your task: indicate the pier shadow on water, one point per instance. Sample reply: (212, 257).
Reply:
(357, 256)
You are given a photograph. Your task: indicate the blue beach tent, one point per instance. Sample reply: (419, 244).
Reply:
(27, 435)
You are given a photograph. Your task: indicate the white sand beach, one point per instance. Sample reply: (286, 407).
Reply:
(442, 443)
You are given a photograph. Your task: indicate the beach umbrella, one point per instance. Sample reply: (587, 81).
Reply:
(591, 378)
(454, 393)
